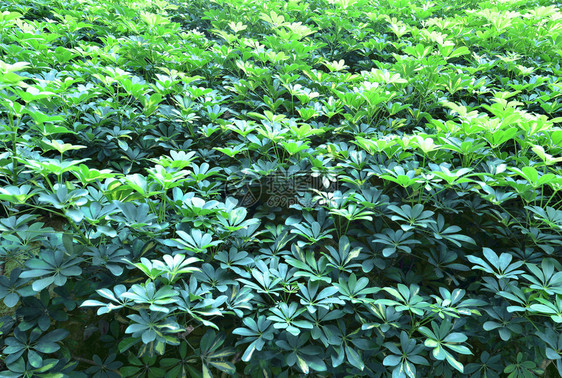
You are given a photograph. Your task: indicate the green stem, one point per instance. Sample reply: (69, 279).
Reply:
(14, 149)
(550, 198)
(60, 176)
(74, 226)
(163, 205)
(532, 323)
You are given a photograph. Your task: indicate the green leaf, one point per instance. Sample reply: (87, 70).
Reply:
(354, 358)
(391, 360)
(127, 343)
(225, 366)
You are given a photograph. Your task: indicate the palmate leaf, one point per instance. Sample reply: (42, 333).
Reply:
(546, 158)
(522, 368)
(451, 303)
(488, 365)
(553, 348)
(386, 317)
(355, 290)
(440, 339)
(549, 215)
(60, 146)
(203, 171)
(267, 283)
(140, 184)
(409, 217)
(549, 308)
(238, 301)
(257, 333)
(101, 366)
(159, 300)
(364, 104)
(427, 145)
(155, 327)
(342, 258)
(500, 266)
(149, 268)
(496, 196)
(17, 194)
(440, 232)
(532, 176)
(312, 232)
(312, 298)
(308, 266)
(196, 241)
(13, 287)
(395, 241)
(35, 344)
(545, 278)
(518, 296)
(404, 358)
(115, 296)
(235, 260)
(212, 356)
(285, 317)
(299, 352)
(353, 212)
(52, 166)
(403, 178)
(503, 321)
(174, 266)
(53, 266)
(61, 197)
(294, 147)
(235, 219)
(135, 216)
(109, 256)
(232, 151)
(406, 298)
(170, 268)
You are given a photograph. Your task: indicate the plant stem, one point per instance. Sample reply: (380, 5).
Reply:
(14, 130)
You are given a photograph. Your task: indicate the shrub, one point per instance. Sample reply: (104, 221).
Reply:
(271, 188)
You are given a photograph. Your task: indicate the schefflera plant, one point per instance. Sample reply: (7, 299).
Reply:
(156, 301)
(435, 254)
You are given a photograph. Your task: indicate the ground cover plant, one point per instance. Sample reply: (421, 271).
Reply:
(334, 188)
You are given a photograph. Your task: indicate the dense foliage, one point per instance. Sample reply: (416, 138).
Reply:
(276, 188)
